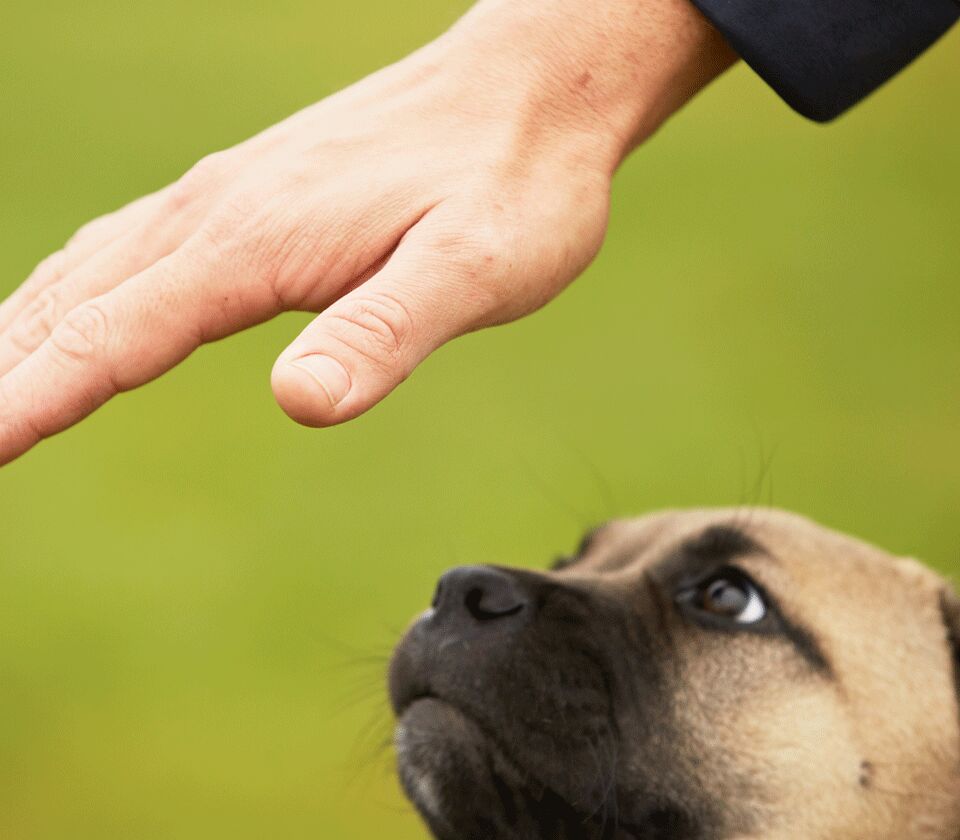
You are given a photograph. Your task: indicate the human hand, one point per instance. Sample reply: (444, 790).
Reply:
(462, 187)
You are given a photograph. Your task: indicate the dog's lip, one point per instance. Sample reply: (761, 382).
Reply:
(415, 699)
(481, 739)
(407, 690)
(408, 703)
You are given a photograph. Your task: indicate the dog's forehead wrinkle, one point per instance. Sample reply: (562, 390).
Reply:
(619, 542)
(641, 542)
(721, 541)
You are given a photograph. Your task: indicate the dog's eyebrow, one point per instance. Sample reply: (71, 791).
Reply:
(720, 544)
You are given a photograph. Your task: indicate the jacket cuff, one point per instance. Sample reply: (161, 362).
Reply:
(823, 56)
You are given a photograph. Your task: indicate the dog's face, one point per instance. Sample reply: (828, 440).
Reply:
(711, 674)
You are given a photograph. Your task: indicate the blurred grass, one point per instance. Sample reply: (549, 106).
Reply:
(194, 593)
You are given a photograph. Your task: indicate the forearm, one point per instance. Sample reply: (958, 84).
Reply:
(610, 69)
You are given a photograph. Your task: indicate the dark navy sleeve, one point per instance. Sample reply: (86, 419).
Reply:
(822, 56)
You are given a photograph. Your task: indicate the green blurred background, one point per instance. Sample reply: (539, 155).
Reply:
(197, 597)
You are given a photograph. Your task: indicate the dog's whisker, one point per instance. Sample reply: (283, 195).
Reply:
(689, 674)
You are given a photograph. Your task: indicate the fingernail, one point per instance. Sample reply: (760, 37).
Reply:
(328, 373)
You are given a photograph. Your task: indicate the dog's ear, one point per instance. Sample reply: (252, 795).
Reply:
(950, 610)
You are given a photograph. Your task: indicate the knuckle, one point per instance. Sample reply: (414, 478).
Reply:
(50, 269)
(15, 420)
(38, 321)
(237, 218)
(378, 326)
(229, 234)
(250, 229)
(82, 334)
(203, 175)
(88, 230)
(241, 209)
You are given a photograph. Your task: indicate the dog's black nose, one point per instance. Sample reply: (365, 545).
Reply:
(484, 593)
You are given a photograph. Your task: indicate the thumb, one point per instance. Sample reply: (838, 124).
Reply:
(364, 345)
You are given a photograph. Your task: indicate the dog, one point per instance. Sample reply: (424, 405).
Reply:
(696, 675)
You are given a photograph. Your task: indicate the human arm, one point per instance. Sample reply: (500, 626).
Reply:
(460, 188)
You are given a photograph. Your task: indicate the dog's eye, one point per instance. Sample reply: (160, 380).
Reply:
(728, 594)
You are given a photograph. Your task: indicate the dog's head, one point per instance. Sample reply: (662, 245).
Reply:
(709, 674)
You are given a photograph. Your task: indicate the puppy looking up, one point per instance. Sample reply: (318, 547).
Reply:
(686, 676)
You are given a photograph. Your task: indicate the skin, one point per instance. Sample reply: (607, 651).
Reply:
(463, 187)
(603, 708)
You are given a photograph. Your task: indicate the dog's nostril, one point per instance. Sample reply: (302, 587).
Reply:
(480, 593)
(484, 608)
(437, 594)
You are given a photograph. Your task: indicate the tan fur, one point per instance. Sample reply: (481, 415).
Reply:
(871, 752)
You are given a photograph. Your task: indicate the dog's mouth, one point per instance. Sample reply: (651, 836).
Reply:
(483, 754)
(467, 785)
(441, 755)
(439, 745)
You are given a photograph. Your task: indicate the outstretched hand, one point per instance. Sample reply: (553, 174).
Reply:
(463, 187)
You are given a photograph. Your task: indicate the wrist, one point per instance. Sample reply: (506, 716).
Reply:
(605, 72)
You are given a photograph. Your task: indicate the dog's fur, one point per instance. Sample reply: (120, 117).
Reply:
(594, 702)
